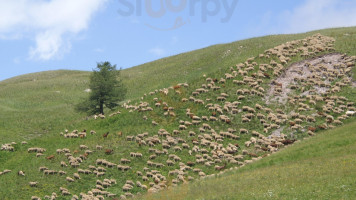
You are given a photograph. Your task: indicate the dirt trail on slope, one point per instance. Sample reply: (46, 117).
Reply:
(302, 70)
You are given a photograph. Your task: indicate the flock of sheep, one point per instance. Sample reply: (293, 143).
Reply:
(211, 141)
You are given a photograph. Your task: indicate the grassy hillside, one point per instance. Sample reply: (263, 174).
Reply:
(136, 118)
(321, 167)
(26, 100)
(188, 66)
(36, 104)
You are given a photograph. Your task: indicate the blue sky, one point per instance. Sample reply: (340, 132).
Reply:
(40, 35)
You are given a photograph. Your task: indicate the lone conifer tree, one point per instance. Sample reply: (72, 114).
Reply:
(106, 90)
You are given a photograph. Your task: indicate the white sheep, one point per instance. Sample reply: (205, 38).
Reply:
(21, 173)
(76, 176)
(82, 147)
(33, 184)
(243, 131)
(350, 113)
(69, 179)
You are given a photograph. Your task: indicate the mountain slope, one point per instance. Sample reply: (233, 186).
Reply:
(24, 103)
(34, 104)
(192, 130)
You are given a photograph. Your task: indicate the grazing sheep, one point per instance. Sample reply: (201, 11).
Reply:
(21, 173)
(243, 131)
(202, 174)
(33, 184)
(109, 151)
(248, 143)
(130, 138)
(99, 187)
(43, 168)
(350, 113)
(338, 122)
(69, 179)
(76, 176)
(182, 127)
(6, 171)
(39, 154)
(63, 164)
(65, 193)
(62, 172)
(59, 151)
(124, 161)
(51, 157)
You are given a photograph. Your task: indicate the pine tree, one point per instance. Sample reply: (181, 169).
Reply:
(106, 90)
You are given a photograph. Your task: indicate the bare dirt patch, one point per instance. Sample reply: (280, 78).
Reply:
(300, 70)
(277, 132)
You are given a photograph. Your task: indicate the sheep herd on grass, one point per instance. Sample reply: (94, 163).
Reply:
(231, 133)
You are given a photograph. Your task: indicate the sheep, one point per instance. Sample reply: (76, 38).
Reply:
(243, 131)
(182, 127)
(7, 147)
(124, 161)
(127, 187)
(82, 147)
(123, 167)
(65, 193)
(63, 164)
(75, 197)
(36, 150)
(21, 173)
(69, 179)
(298, 121)
(62, 172)
(248, 143)
(202, 174)
(136, 155)
(76, 176)
(338, 122)
(245, 120)
(33, 184)
(109, 151)
(350, 113)
(43, 168)
(99, 187)
(98, 174)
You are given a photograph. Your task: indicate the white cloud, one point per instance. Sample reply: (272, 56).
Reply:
(52, 24)
(157, 51)
(319, 14)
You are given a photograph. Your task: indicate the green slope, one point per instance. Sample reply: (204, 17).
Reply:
(35, 104)
(26, 100)
(51, 114)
